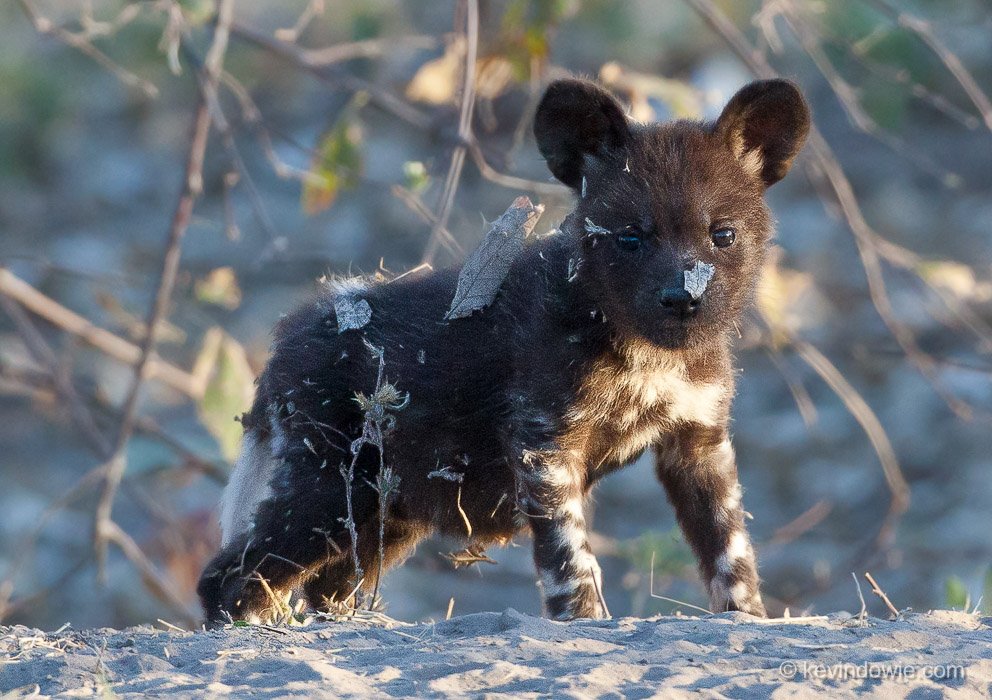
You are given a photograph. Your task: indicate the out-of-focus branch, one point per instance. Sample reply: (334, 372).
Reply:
(104, 528)
(116, 347)
(415, 204)
(849, 98)
(156, 582)
(318, 63)
(81, 42)
(924, 30)
(314, 8)
(859, 408)
(42, 352)
(549, 189)
(471, 12)
(329, 74)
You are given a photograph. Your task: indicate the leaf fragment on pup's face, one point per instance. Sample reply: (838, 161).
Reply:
(697, 278)
(352, 313)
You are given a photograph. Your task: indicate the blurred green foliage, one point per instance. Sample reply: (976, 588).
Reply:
(669, 552)
(339, 161)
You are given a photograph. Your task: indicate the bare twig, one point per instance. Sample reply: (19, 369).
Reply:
(251, 116)
(877, 590)
(804, 403)
(378, 409)
(313, 9)
(386, 484)
(329, 74)
(447, 200)
(79, 412)
(549, 189)
(849, 98)
(366, 48)
(805, 522)
(415, 204)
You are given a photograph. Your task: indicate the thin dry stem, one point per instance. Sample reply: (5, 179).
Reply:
(665, 598)
(877, 590)
(873, 429)
(863, 614)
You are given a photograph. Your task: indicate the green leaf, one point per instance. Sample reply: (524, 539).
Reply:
(228, 393)
(955, 593)
(338, 163)
(415, 176)
(197, 12)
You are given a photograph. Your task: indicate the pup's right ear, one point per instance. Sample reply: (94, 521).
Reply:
(574, 119)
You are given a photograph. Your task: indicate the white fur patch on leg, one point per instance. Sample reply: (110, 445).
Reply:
(248, 486)
(737, 548)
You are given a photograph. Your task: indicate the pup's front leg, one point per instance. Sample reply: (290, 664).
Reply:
(550, 498)
(697, 466)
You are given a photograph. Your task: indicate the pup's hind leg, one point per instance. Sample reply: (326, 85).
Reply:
(335, 582)
(287, 545)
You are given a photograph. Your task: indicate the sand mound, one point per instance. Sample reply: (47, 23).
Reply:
(512, 654)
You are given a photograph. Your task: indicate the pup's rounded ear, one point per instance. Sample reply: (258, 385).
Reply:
(577, 118)
(765, 125)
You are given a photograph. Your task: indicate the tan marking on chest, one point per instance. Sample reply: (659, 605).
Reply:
(635, 403)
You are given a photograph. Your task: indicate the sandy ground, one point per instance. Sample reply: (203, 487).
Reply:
(514, 655)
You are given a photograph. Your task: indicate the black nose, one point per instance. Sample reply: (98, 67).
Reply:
(677, 302)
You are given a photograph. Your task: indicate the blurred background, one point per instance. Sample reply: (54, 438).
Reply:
(339, 137)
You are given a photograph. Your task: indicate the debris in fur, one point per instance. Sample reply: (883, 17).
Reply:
(573, 269)
(446, 473)
(468, 557)
(595, 230)
(697, 278)
(583, 187)
(485, 269)
(352, 313)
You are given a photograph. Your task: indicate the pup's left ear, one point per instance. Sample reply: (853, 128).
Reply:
(765, 125)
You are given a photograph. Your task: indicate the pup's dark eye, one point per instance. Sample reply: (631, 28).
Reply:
(629, 238)
(723, 237)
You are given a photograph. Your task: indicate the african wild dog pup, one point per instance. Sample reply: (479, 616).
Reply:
(608, 337)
